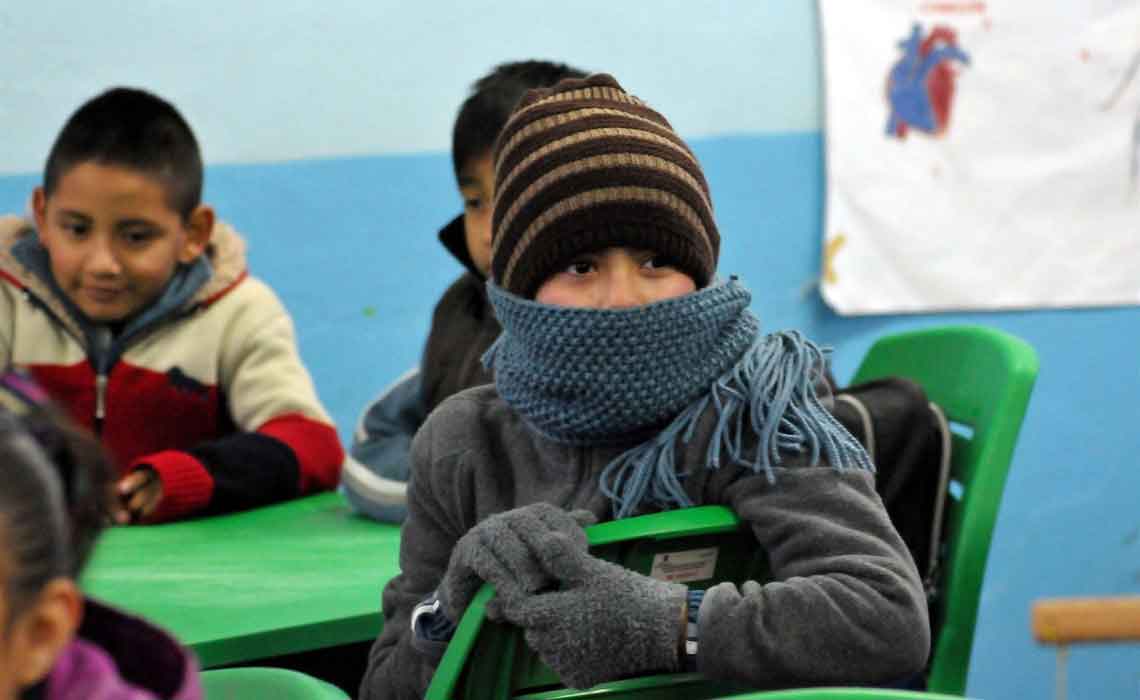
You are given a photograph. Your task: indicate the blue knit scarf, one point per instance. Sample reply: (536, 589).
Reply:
(608, 377)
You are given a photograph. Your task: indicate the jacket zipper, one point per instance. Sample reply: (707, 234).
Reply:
(100, 401)
(104, 341)
(102, 349)
(101, 375)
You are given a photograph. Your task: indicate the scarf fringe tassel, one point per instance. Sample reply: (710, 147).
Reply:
(770, 392)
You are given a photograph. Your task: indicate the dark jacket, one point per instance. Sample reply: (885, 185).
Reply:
(462, 328)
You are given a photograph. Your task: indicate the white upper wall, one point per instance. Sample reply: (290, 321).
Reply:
(281, 79)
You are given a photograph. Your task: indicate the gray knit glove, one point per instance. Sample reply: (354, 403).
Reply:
(604, 623)
(496, 550)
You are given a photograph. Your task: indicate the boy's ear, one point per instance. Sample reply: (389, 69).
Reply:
(41, 632)
(198, 231)
(39, 207)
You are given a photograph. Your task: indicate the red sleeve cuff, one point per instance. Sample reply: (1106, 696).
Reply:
(316, 447)
(186, 485)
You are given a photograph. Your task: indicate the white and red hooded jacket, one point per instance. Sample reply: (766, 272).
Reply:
(205, 386)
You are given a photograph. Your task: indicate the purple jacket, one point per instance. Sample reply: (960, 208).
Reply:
(120, 657)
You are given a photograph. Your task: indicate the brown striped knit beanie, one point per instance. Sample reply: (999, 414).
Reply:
(584, 166)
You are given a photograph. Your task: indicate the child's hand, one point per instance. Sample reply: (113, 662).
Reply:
(138, 496)
(605, 621)
(498, 550)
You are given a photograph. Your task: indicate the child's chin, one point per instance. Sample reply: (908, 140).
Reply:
(105, 314)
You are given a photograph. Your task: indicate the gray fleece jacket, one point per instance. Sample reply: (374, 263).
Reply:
(845, 605)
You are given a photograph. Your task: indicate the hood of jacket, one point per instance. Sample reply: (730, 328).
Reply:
(117, 656)
(453, 236)
(25, 263)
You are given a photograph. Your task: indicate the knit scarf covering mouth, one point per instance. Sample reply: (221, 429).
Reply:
(647, 374)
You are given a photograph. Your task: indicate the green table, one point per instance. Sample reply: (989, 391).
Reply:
(277, 580)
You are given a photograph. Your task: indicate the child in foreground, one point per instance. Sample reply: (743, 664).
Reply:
(55, 644)
(135, 311)
(628, 380)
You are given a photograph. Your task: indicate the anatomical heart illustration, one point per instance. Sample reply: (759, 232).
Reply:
(920, 87)
(980, 155)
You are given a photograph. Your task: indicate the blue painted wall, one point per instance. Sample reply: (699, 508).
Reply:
(349, 242)
(272, 80)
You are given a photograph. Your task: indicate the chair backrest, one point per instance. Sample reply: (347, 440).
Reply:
(253, 683)
(982, 379)
(699, 546)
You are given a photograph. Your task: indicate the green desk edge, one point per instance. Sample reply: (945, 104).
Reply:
(282, 579)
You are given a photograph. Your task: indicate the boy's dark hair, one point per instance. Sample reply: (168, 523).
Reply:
(135, 129)
(482, 115)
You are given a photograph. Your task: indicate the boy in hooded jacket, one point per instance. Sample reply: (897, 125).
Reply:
(133, 307)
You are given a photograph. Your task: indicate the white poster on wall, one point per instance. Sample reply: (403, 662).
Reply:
(981, 155)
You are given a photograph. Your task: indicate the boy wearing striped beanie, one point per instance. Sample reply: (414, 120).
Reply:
(630, 379)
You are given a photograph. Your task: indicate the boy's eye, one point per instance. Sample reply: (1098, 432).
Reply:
(472, 202)
(76, 229)
(580, 267)
(137, 237)
(657, 262)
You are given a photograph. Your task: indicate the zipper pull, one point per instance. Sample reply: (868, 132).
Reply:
(100, 397)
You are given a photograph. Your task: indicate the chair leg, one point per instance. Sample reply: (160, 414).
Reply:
(1062, 671)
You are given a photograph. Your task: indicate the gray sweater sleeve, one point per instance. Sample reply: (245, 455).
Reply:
(845, 605)
(396, 669)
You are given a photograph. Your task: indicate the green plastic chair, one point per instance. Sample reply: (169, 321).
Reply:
(982, 379)
(252, 683)
(490, 661)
